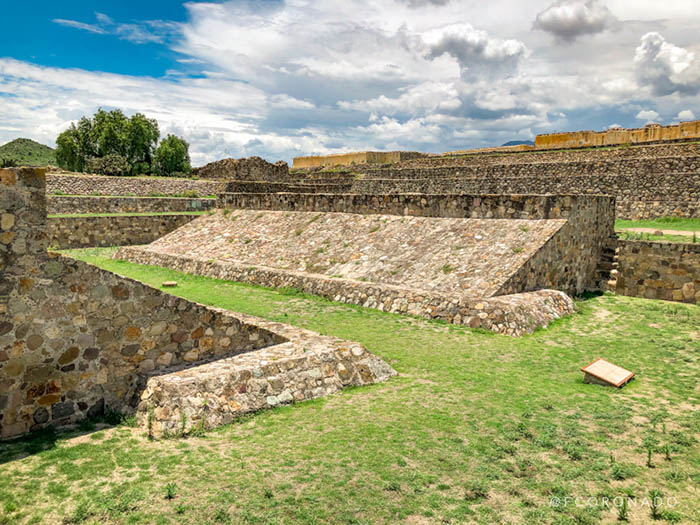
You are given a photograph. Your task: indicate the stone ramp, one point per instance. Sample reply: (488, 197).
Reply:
(215, 393)
(462, 258)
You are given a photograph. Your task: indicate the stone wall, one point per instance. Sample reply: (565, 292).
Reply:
(638, 196)
(76, 340)
(251, 168)
(72, 336)
(649, 133)
(87, 232)
(514, 314)
(361, 157)
(72, 205)
(140, 186)
(566, 262)
(659, 270)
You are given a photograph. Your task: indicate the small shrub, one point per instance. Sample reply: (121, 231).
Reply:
(8, 163)
(111, 165)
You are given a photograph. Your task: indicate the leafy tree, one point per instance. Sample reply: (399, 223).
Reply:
(110, 140)
(68, 150)
(172, 156)
(143, 138)
(109, 165)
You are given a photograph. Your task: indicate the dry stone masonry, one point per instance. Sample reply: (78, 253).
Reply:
(110, 230)
(659, 270)
(84, 204)
(464, 259)
(141, 186)
(251, 168)
(76, 340)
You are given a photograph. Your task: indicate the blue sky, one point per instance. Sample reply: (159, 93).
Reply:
(284, 78)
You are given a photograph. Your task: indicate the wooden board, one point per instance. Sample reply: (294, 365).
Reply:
(608, 373)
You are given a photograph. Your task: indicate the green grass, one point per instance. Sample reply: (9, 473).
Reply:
(477, 428)
(145, 214)
(26, 152)
(664, 223)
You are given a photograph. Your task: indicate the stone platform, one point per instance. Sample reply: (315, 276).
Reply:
(454, 269)
(213, 394)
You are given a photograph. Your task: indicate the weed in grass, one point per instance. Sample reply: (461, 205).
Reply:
(623, 511)
(623, 471)
(655, 502)
(170, 490)
(667, 452)
(476, 490)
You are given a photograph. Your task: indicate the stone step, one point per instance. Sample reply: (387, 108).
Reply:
(215, 393)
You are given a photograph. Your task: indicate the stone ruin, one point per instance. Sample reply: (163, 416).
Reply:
(504, 263)
(76, 341)
(250, 168)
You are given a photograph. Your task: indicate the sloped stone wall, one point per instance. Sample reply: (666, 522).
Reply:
(659, 270)
(567, 262)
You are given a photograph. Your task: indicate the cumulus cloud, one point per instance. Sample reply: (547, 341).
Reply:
(666, 68)
(478, 54)
(648, 115)
(280, 79)
(567, 20)
(686, 115)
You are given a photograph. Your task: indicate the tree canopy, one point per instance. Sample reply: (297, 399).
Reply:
(110, 143)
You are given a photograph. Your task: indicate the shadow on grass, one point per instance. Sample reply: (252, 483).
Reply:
(47, 438)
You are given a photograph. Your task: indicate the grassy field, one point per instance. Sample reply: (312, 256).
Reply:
(477, 428)
(664, 223)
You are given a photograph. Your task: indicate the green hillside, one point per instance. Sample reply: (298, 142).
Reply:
(28, 152)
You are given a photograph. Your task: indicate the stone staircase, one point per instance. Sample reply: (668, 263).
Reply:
(606, 272)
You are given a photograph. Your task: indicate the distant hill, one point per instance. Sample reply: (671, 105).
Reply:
(519, 143)
(27, 152)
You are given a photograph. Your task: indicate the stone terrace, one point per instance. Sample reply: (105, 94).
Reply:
(76, 340)
(463, 257)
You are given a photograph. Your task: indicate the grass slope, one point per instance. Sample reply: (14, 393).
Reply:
(27, 152)
(477, 428)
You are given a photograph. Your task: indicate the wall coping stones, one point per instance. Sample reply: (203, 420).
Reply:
(514, 314)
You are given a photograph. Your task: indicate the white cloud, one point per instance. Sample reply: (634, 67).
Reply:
(568, 20)
(150, 31)
(91, 28)
(280, 79)
(666, 68)
(649, 115)
(479, 55)
(686, 115)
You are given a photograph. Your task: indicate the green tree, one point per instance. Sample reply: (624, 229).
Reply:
(143, 139)
(172, 156)
(68, 150)
(110, 143)
(110, 132)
